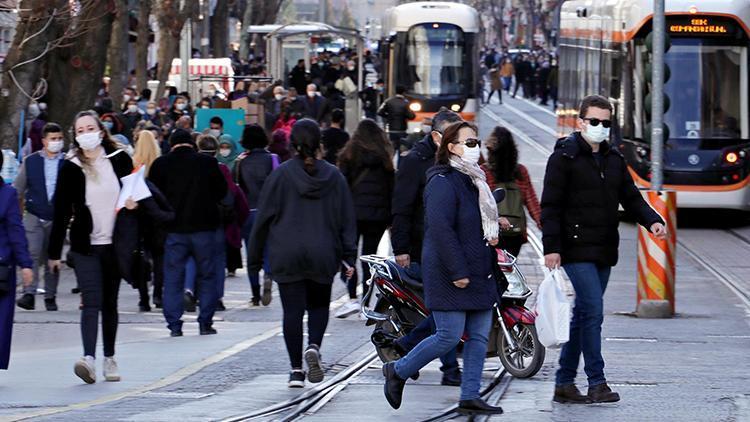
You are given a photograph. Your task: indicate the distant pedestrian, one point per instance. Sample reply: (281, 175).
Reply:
(312, 104)
(507, 70)
(253, 169)
(334, 137)
(88, 187)
(496, 85)
(397, 114)
(459, 282)
(280, 144)
(194, 186)
(366, 162)
(503, 170)
(15, 253)
(36, 182)
(304, 257)
(585, 182)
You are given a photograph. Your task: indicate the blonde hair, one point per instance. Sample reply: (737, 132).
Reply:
(146, 150)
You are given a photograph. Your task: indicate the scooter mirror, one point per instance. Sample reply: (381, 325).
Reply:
(499, 195)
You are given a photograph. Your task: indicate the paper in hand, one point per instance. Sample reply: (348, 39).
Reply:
(133, 186)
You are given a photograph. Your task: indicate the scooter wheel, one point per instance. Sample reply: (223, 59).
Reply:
(527, 357)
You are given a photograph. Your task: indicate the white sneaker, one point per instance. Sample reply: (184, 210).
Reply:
(347, 309)
(111, 372)
(85, 369)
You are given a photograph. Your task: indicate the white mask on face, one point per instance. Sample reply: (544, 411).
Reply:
(54, 146)
(225, 152)
(151, 111)
(89, 141)
(214, 132)
(126, 98)
(180, 106)
(310, 94)
(132, 109)
(595, 134)
(471, 155)
(278, 97)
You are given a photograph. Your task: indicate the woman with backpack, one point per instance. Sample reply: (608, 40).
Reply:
(366, 162)
(503, 171)
(306, 222)
(252, 169)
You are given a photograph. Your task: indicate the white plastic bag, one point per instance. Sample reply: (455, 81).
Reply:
(553, 312)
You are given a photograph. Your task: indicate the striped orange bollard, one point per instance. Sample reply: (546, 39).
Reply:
(656, 260)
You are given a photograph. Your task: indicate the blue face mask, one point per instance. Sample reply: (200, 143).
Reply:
(109, 125)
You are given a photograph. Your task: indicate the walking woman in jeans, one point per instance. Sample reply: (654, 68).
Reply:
(367, 163)
(306, 220)
(459, 283)
(14, 251)
(87, 190)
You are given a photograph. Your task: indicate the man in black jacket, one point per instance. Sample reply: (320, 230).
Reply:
(396, 113)
(407, 229)
(586, 180)
(194, 186)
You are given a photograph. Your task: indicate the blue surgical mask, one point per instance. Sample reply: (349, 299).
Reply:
(109, 125)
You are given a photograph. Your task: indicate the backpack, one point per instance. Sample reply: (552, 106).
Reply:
(512, 209)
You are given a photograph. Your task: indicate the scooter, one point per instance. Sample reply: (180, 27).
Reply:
(400, 307)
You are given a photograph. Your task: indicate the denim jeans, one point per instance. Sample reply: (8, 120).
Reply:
(589, 281)
(423, 330)
(450, 328)
(254, 277)
(179, 247)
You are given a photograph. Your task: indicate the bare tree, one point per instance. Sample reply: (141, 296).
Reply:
(76, 67)
(117, 53)
(247, 17)
(220, 29)
(141, 44)
(264, 11)
(171, 18)
(530, 10)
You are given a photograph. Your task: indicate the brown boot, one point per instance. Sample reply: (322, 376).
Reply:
(570, 394)
(603, 394)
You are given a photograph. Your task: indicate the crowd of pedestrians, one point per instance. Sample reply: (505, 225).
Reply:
(535, 73)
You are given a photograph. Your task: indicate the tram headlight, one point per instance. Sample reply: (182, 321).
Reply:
(456, 107)
(415, 107)
(731, 158)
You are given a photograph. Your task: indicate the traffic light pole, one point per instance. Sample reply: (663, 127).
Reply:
(657, 98)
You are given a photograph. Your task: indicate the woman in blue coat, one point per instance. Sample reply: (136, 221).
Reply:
(14, 252)
(460, 288)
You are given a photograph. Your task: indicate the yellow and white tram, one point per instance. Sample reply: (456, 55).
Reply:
(432, 49)
(605, 48)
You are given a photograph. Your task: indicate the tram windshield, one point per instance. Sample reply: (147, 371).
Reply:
(434, 55)
(708, 90)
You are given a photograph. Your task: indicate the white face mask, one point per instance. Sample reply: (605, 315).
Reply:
(426, 129)
(278, 97)
(225, 152)
(151, 111)
(180, 106)
(471, 155)
(310, 94)
(89, 141)
(214, 132)
(54, 146)
(132, 108)
(595, 134)
(205, 107)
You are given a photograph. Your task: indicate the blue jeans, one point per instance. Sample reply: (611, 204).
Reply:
(254, 277)
(423, 330)
(201, 246)
(450, 328)
(589, 281)
(220, 258)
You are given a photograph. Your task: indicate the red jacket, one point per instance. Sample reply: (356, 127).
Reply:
(530, 200)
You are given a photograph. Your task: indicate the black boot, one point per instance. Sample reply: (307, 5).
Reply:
(451, 377)
(157, 302)
(603, 394)
(50, 304)
(478, 407)
(570, 394)
(394, 385)
(189, 302)
(207, 329)
(26, 302)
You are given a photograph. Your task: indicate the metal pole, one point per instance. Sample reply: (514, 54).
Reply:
(657, 98)
(185, 53)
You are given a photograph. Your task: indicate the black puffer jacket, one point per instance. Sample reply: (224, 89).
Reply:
(395, 111)
(372, 188)
(407, 231)
(580, 202)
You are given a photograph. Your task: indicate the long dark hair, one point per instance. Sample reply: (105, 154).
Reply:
(305, 138)
(368, 139)
(450, 136)
(108, 143)
(503, 155)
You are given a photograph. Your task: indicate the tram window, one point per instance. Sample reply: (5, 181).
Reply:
(703, 89)
(436, 60)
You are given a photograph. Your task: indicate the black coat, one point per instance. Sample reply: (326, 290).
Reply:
(306, 222)
(252, 172)
(333, 139)
(407, 206)
(396, 113)
(70, 202)
(193, 185)
(580, 202)
(372, 188)
(312, 107)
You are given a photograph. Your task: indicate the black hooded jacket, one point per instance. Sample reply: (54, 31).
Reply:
(407, 208)
(371, 186)
(580, 202)
(307, 223)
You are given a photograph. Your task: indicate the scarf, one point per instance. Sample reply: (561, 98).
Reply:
(487, 205)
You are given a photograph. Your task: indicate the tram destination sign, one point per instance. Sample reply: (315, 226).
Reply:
(695, 25)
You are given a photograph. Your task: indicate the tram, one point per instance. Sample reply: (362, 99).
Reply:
(605, 48)
(432, 49)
